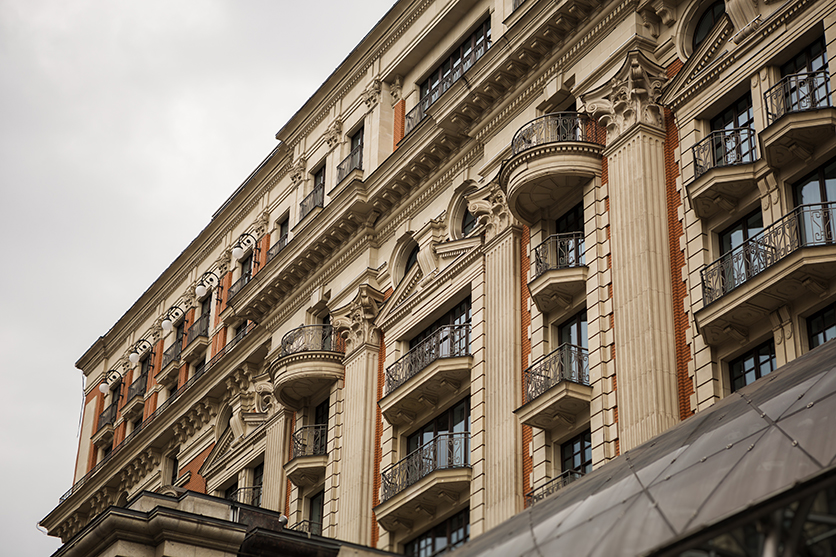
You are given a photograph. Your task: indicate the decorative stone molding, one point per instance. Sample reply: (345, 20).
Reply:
(355, 321)
(195, 419)
(297, 170)
(745, 17)
(147, 462)
(261, 224)
(371, 96)
(781, 324)
(428, 237)
(631, 97)
(396, 90)
(264, 400)
(333, 133)
(490, 207)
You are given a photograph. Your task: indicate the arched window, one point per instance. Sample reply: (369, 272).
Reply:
(706, 22)
(468, 223)
(411, 260)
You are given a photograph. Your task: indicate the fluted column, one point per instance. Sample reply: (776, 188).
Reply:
(277, 440)
(642, 293)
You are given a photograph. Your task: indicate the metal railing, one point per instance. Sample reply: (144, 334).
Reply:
(312, 338)
(314, 199)
(724, 148)
(805, 226)
(558, 127)
(246, 496)
(414, 116)
(567, 363)
(276, 248)
(138, 387)
(160, 409)
(310, 440)
(236, 286)
(451, 341)
(108, 416)
(172, 353)
(354, 161)
(199, 328)
(559, 251)
(797, 93)
(308, 527)
(445, 451)
(552, 486)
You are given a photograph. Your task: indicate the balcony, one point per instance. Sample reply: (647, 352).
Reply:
(560, 271)
(236, 286)
(197, 339)
(104, 429)
(437, 473)
(554, 156)
(170, 369)
(427, 375)
(799, 118)
(246, 496)
(724, 171)
(787, 259)
(552, 486)
(314, 199)
(135, 401)
(556, 389)
(354, 161)
(307, 527)
(276, 248)
(309, 455)
(311, 360)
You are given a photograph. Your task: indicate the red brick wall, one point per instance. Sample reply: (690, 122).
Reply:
(218, 341)
(226, 282)
(263, 247)
(97, 394)
(525, 265)
(196, 481)
(400, 122)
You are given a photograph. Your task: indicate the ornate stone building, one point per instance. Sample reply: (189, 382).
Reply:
(505, 242)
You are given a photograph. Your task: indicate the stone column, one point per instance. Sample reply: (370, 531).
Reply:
(362, 342)
(278, 435)
(642, 293)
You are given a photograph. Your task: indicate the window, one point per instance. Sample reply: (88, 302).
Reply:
(569, 227)
(737, 144)
(451, 533)
(751, 366)
(574, 331)
(316, 512)
(815, 194)
(247, 265)
(357, 139)
(258, 482)
(459, 61)
(707, 21)
(321, 419)
(459, 315)
(319, 177)
(737, 234)
(206, 306)
(576, 453)
(179, 332)
(810, 59)
(284, 228)
(454, 420)
(468, 222)
(174, 470)
(818, 186)
(411, 260)
(821, 326)
(231, 492)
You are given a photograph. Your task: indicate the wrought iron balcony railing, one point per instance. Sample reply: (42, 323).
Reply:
(414, 116)
(724, 148)
(556, 128)
(312, 338)
(236, 286)
(797, 93)
(108, 416)
(310, 440)
(276, 248)
(559, 251)
(138, 387)
(313, 200)
(804, 226)
(354, 161)
(246, 496)
(552, 486)
(451, 341)
(567, 363)
(445, 451)
(172, 353)
(199, 328)
(308, 527)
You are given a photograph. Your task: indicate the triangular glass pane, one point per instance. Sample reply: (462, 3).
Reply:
(814, 429)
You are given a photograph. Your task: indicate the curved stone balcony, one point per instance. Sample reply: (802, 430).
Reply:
(435, 474)
(309, 455)
(311, 361)
(799, 118)
(553, 156)
(560, 271)
(724, 171)
(557, 389)
(793, 257)
(428, 375)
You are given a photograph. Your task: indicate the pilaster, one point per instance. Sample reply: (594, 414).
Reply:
(277, 440)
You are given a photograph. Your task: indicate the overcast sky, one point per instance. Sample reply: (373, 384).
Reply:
(124, 126)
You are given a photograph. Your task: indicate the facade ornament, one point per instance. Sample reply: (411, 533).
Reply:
(264, 399)
(490, 209)
(355, 321)
(261, 224)
(396, 90)
(371, 96)
(334, 133)
(297, 170)
(744, 16)
(631, 97)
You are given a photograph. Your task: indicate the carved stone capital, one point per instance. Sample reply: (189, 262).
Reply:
(297, 171)
(355, 321)
(490, 207)
(334, 133)
(396, 90)
(371, 95)
(631, 97)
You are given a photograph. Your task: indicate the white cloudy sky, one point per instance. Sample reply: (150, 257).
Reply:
(123, 126)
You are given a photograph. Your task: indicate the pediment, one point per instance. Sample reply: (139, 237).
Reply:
(217, 453)
(405, 289)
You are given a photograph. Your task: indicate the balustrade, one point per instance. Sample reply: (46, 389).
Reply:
(555, 128)
(310, 440)
(446, 342)
(445, 451)
(559, 251)
(313, 200)
(567, 363)
(797, 93)
(722, 148)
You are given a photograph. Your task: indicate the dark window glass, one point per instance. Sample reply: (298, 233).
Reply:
(180, 330)
(810, 59)
(453, 66)
(574, 331)
(205, 306)
(284, 228)
(106, 450)
(411, 260)
(258, 482)
(145, 366)
(468, 222)
(321, 413)
(821, 326)
(247, 265)
(707, 21)
(752, 365)
(175, 470)
(459, 315)
(357, 139)
(444, 536)
(737, 234)
(738, 115)
(568, 223)
(454, 420)
(818, 186)
(319, 177)
(316, 512)
(576, 453)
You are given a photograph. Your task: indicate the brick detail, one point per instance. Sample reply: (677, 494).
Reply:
(226, 282)
(378, 431)
(218, 341)
(196, 481)
(263, 246)
(94, 452)
(400, 123)
(525, 320)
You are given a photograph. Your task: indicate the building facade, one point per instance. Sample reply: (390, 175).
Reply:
(505, 242)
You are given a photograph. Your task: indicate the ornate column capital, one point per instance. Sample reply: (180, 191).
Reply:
(297, 171)
(490, 207)
(371, 95)
(355, 321)
(333, 133)
(631, 97)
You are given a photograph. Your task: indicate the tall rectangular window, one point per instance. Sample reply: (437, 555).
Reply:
(451, 533)
(751, 366)
(821, 326)
(576, 453)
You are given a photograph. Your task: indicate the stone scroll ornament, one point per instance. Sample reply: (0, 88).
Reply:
(631, 97)
(355, 322)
